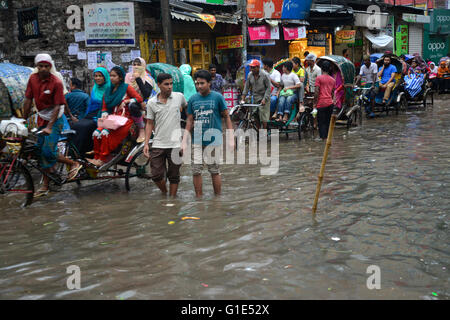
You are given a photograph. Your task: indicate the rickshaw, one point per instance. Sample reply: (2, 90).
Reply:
(425, 97)
(290, 126)
(19, 159)
(344, 72)
(394, 100)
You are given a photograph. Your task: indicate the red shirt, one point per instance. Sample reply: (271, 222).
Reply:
(46, 93)
(326, 84)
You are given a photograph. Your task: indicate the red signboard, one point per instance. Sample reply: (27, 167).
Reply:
(270, 9)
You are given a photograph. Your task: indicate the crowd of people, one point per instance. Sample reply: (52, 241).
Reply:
(156, 111)
(150, 105)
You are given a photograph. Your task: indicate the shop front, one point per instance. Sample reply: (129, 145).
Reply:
(318, 42)
(194, 39)
(228, 54)
(416, 28)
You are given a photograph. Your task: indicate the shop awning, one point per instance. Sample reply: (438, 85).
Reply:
(188, 16)
(275, 22)
(381, 40)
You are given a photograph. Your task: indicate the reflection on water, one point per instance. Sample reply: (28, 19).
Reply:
(384, 201)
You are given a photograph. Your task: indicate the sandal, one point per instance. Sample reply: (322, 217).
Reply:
(72, 174)
(41, 193)
(96, 162)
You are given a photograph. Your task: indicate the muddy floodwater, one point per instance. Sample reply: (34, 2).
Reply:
(385, 202)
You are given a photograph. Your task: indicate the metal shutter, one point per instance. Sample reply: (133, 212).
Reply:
(415, 38)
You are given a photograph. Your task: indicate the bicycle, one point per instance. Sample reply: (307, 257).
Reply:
(247, 120)
(361, 100)
(306, 120)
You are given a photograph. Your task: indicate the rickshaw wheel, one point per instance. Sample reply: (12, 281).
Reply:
(360, 116)
(426, 100)
(403, 103)
(137, 167)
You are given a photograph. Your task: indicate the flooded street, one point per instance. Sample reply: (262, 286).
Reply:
(385, 201)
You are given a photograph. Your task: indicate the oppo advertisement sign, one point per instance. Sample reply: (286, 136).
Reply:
(440, 21)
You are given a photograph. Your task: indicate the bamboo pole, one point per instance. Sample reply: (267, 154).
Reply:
(324, 161)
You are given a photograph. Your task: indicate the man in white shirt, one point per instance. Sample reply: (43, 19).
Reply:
(275, 80)
(313, 71)
(164, 115)
(369, 75)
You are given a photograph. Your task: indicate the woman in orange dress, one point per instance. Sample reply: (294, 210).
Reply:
(117, 98)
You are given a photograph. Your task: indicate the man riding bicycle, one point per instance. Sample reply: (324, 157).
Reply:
(369, 75)
(259, 84)
(47, 91)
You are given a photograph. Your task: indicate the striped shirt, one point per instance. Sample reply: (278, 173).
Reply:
(414, 84)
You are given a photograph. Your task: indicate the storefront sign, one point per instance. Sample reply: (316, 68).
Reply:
(231, 42)
(260, 43)
(296, 9)
(345, 36)
(208, 18)
(317, 40)
(109, 24)
(414, 18)
(294, 33)
(279, 9)
(269, 9)
(401, 40)
(259, 32)
(275, 33)
(440, 21)
(435, 47)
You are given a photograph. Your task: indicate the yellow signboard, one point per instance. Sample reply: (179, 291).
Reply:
(345, 36)
(231, 42)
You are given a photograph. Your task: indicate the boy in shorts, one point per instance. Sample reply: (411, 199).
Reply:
(204, 114)
(164, 115)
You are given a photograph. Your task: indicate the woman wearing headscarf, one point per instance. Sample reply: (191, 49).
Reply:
(86, 126)
(146, 87)
(433, 75)
(116, 100)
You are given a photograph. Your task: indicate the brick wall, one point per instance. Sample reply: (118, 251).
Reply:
(56, 37)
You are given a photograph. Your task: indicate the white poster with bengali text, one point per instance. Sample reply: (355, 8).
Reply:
(109, 24)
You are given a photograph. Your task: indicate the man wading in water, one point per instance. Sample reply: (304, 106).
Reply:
(205, 112)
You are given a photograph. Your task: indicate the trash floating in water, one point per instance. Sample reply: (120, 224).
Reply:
(335, 238)
(329, 289)
(48, 223)
(205, 285)
(288, 266)
(265, 279)
(169, 205)
(190, 218)
(434, 294)
(171, 222)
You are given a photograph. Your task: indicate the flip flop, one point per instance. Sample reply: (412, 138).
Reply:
(75, 172)
(41, 193)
